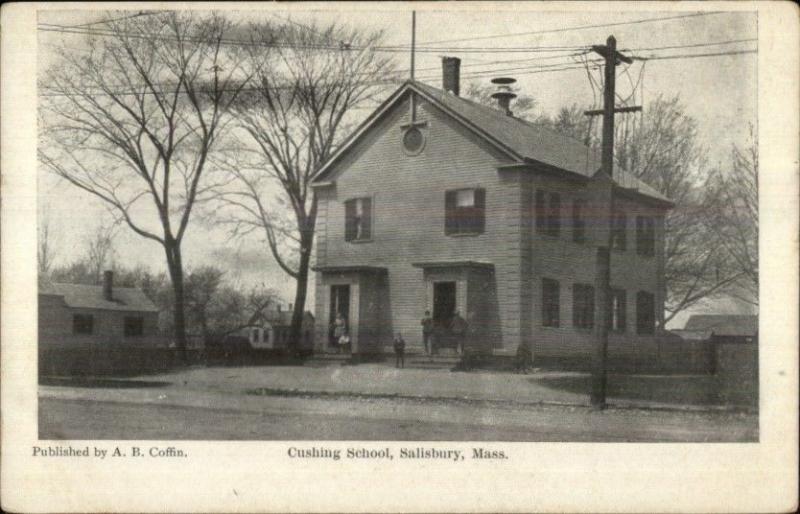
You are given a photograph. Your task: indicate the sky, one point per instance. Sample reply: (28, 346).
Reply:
(718, 91)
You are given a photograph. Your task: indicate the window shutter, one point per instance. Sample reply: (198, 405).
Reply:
(366, 218)
(621, 310)
(349, 220)
(450, 223)
(541, 221)
(577, 305)
(578, 224)
(554, 218)
(479, 222)
(639, 235)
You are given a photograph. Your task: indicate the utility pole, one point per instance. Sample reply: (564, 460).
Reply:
(603, 261)
(413, 40)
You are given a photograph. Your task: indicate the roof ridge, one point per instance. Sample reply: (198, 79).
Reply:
(498, 113)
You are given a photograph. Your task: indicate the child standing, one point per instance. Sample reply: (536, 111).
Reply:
(399, 351)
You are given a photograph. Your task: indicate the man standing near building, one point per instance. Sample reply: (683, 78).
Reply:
(427, 331)
(459, 327)
(399, 351)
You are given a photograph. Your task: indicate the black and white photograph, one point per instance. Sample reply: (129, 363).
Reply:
(399, 256)
(437, 225)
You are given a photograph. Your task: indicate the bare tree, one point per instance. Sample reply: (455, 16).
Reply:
(732, 197)
(133, 119)
(524, 106)
(100, 249)
(305, 88)
(45, 249)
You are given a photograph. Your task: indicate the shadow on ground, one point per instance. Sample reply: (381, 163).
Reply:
(684, 389)
(104, 383)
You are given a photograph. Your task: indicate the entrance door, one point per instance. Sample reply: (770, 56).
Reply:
(340, 304)
(444, 303)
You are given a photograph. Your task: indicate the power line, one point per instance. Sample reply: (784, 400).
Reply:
(524, 70)
(716, 43)
(140, 13)
(49, 27)
(690, 56)
(568, 49)
(579, 27)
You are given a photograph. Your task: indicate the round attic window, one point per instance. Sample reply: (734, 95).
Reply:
(413, 141)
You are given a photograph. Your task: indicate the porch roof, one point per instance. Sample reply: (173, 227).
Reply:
(453, 264)
(351, 267)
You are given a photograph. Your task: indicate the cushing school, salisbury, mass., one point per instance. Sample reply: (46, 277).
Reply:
(436, 203)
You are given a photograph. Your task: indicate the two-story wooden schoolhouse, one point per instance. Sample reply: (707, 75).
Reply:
(438, 203)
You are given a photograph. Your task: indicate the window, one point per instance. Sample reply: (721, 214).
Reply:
(616, 313)
(583, 305)
(83, 324)
(645, 236)
(134, 326)
(578, 222)
(358, 219)
(464, 211)
(619, 228)
(548, 213)
(413, 141)
(550, 303)
(645, 313)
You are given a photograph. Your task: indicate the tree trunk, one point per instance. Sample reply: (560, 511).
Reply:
(175, 264)
(296, 329)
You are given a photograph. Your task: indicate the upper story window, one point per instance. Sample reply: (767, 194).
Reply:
(645, 313)
(83, 324)
(551, 303)
(358, 219)
(134, 326)
(579, 221)
(464, 211)
(645, 236)
(548, 213)
(619, 229)
(583, 305)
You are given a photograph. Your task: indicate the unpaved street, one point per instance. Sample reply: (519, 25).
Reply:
(135, 416)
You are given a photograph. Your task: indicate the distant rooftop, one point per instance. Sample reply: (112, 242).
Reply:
(81, 296)
(724, 324)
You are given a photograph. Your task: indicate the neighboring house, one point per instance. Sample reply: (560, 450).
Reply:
(273, 332)
(723, 328)
(81, 314)
(438, 203)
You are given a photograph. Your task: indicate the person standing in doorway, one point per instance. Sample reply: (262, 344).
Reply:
(459, 328)
(399, 351)
(339, 330)
(427, 331)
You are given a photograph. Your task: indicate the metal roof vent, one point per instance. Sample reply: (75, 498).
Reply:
(504, 94)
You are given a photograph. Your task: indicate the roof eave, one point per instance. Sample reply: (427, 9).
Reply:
(641, 196)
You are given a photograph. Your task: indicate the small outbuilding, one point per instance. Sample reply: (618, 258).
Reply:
(83, 328)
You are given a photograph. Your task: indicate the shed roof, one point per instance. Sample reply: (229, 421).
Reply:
(522, 140)
(724, 324)
(81, 296)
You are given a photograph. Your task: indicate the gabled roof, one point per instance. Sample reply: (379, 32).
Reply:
(522, 141)
(724, 324)
(81, 296)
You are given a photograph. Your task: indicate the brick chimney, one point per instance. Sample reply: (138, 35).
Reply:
(108, 285)
(451, 75)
